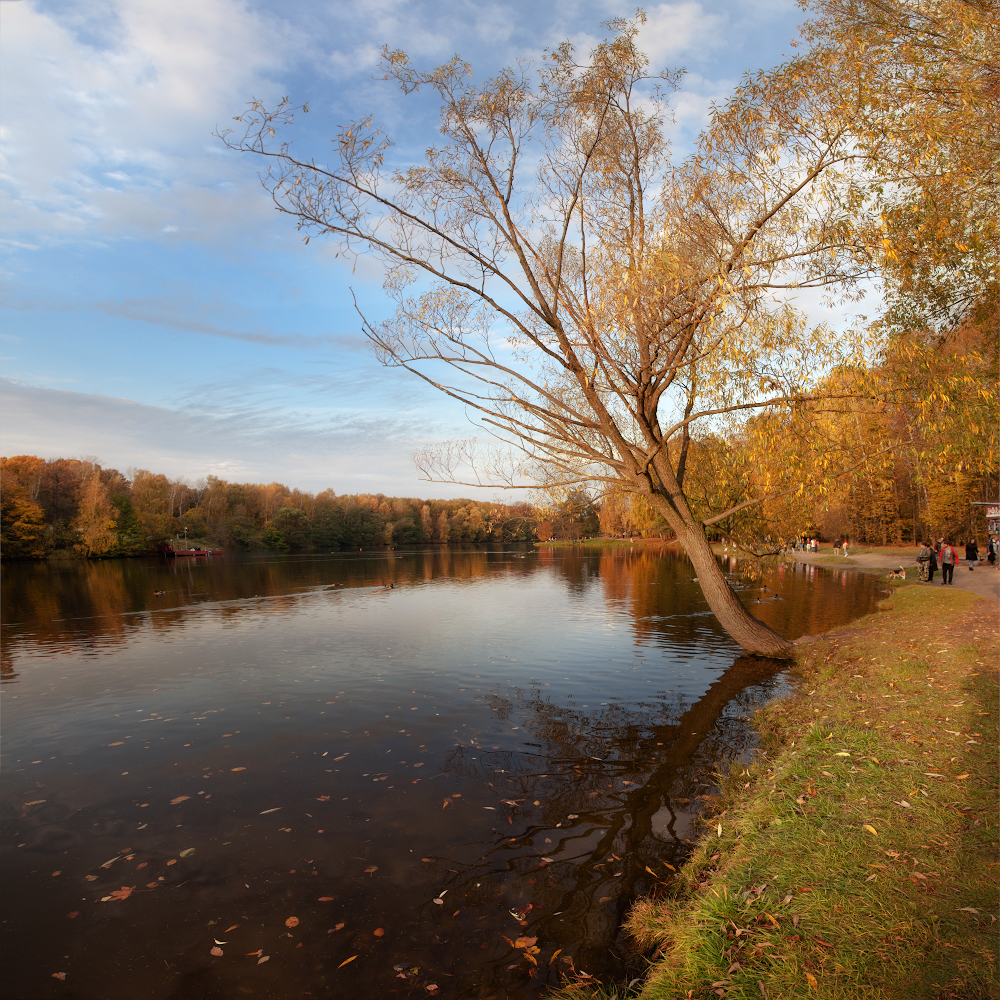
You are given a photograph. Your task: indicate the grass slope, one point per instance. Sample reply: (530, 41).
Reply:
(857, 856)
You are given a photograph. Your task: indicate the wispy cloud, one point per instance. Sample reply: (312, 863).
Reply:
(164, 312)
(309, 449)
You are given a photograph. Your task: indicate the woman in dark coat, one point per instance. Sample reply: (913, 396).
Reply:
(972, 553)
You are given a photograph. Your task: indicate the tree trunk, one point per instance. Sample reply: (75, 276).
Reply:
(753, 635)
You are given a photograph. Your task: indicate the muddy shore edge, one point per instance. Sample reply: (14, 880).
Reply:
(857, 855)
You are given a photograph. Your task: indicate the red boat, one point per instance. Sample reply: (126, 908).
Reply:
(193, 553)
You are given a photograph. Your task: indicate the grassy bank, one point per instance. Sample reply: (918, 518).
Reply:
(857, 856)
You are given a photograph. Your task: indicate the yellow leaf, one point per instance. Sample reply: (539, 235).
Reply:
(346, 960)
(811, 980)
(871, 829)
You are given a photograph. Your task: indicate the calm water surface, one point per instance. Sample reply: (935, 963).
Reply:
(280, 758)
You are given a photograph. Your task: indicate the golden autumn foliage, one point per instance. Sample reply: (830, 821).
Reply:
(22, 522)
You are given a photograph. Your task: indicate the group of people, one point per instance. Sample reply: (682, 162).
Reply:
(803, 544)
(942, 554)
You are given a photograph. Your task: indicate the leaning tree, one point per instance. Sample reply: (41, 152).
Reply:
(592, 304)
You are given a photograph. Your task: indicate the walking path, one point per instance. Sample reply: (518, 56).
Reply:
(984, 580)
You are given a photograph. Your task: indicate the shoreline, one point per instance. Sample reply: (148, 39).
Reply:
(857, 854)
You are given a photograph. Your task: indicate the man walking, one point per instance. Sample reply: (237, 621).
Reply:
(948, 558)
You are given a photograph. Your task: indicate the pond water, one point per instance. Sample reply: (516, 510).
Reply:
(354, 790)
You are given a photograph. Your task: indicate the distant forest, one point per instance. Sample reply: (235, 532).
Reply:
(61, 505)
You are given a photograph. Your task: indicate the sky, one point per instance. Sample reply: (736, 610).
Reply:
(158, 313)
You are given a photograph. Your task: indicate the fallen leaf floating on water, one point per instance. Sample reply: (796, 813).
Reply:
(254, 954)
(273, 810)
(292, 922)
(217, 941)
(59, 975)
(346, 960)
(180, 798)
(379, 932)
(118, 744)
(228, 929)
(187, 852)
(217, 952)
(237, 769)
(263, 959)
(119, 894)
(337, 928)
(426, 859)
(447, 802)
(72, 915)
(326, 899)
(35, 802)
(370, 869)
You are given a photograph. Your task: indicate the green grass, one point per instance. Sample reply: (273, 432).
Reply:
(857, 856)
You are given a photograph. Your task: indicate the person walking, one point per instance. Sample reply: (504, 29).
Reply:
(948, 557)
(932, 566)
(843, 548)
(991, 551)
(971, 553)
(924, 561)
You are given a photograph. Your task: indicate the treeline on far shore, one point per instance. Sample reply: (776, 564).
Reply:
(71, 505)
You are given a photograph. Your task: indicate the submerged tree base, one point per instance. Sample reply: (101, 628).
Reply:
(855, 856)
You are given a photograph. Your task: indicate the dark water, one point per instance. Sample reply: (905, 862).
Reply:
(499, 747)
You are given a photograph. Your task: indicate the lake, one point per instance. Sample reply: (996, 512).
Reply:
(376, 774)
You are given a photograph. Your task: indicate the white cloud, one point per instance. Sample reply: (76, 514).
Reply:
(109, 111)
(675, 29)
(312, 450)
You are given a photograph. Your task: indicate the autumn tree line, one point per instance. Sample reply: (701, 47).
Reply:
(73, 505)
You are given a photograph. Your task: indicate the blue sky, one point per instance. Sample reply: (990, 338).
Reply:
(158, 313)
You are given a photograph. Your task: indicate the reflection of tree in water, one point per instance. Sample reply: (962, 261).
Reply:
(607, 796)
(655, 586)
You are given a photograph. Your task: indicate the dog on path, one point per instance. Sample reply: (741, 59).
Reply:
(897, 574)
